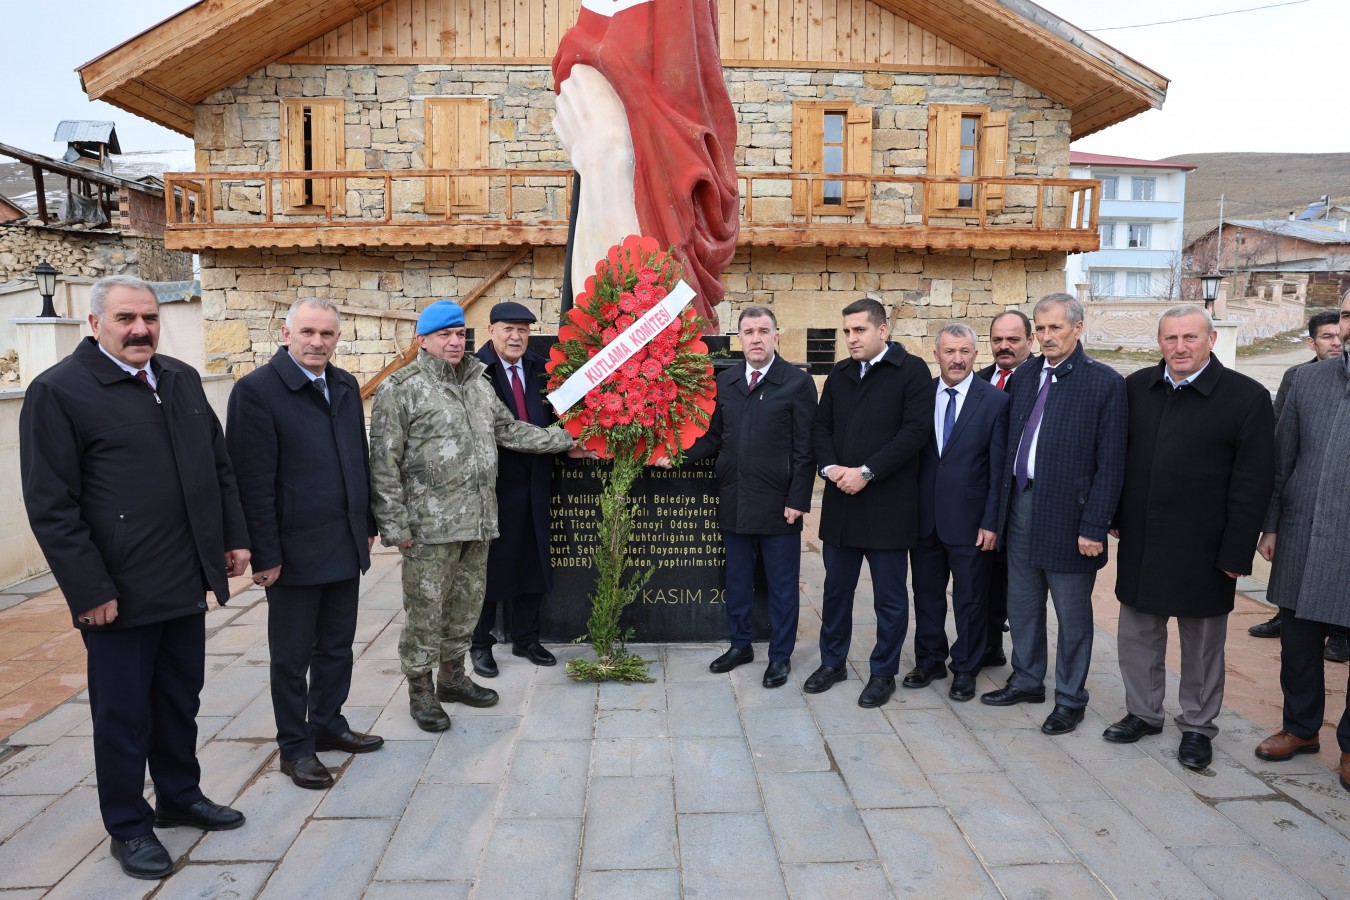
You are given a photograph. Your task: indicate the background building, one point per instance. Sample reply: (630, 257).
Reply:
(1140, 222)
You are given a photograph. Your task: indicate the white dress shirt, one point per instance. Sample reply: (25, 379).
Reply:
(131, 370)
(943, 398)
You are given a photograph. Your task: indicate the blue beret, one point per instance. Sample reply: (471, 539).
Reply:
(510, 311)
(441, 314)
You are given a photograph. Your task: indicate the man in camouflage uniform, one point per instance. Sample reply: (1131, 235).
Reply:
(434, 431)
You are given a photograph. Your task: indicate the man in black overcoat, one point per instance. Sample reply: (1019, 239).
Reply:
(1010, 341)
(519, 573)
(875, 415)
(132, 499)
(1199, 468)
(297, 434)
(761, 435)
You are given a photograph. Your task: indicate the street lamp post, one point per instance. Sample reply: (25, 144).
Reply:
(46, 285)
(1209, 289)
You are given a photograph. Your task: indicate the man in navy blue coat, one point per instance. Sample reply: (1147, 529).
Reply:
(960, 485)
(1066, 466)
(519, 572)
(761, 436)
(875, 415)
(297, 431)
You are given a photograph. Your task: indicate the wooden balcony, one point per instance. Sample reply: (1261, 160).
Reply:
(520, 207)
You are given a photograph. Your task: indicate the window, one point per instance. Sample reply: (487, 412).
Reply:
(831, 137)
(1139, 284)
(1102, 283)
(1140, 232)
(457, 138)
(1107, 232)
(820, 349)
(1142, 188)
(312, 141)
(966, 141)
(1110, 186)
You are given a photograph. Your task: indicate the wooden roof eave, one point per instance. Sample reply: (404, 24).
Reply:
(1043, 51)
(185, 35)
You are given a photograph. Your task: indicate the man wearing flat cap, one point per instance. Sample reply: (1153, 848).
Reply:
(434, 431)
(518, 570)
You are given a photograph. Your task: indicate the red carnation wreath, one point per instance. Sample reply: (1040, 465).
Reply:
(659, 401)
(654, 404)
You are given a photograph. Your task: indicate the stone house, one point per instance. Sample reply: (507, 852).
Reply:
(1275, 257)
(385, 154)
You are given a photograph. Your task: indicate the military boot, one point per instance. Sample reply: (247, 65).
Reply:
(453, 686)
(426, 712)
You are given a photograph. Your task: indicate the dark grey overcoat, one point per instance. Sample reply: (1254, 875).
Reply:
(1309, 512)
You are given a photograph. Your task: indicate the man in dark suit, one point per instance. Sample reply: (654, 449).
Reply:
(297, 434)
(132, 499)
(1010, 339)
(519, 573)
(1199, 467)
(875, 415)
(960, 485)
(1324, 340)
(761, 435)
(1066, 463)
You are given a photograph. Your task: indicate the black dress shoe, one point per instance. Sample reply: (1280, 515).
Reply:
(963, 686)
(1268, 629)
(824, 678)
(203, 814)
(307, 772)
(1130, 729)
(536, 653)
(993, 656)
(1195, 751)
(1062, 719)
(922, 676)
(776, 674)
(731, 659)
(879, 689)
(1338, 648)
(483, 663)
(350, 742)
(1009, 695)
(143, 857)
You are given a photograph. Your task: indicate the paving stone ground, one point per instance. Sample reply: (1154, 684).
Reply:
(696, 785)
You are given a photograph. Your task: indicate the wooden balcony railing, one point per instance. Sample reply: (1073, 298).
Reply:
(520, 206)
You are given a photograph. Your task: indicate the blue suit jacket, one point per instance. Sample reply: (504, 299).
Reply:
(959, 491)
(1080, 457)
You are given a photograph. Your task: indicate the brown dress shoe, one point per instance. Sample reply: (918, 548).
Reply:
(1282, 745)
(307, 772)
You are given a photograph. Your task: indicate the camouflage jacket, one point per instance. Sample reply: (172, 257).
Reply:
(434, 431)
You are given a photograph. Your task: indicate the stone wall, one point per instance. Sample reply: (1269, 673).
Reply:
(1133, 325)
(239, 129)
(89, 253)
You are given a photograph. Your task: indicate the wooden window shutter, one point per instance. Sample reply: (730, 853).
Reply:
(457, 138)
(994, 156)
(944, 154)
(326, 152)
(858, 153)
(808, 138)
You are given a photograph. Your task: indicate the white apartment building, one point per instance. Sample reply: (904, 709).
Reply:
(1140, 223)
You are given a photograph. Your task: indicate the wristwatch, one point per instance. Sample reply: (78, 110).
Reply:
(868, 474)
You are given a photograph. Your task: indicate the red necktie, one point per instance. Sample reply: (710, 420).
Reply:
(144, 378)
(518, 392)
(754, 378)
(1002, 378)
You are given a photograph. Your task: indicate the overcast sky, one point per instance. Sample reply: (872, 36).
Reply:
(1267, 80)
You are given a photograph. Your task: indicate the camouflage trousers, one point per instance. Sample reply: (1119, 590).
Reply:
(443, 588)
